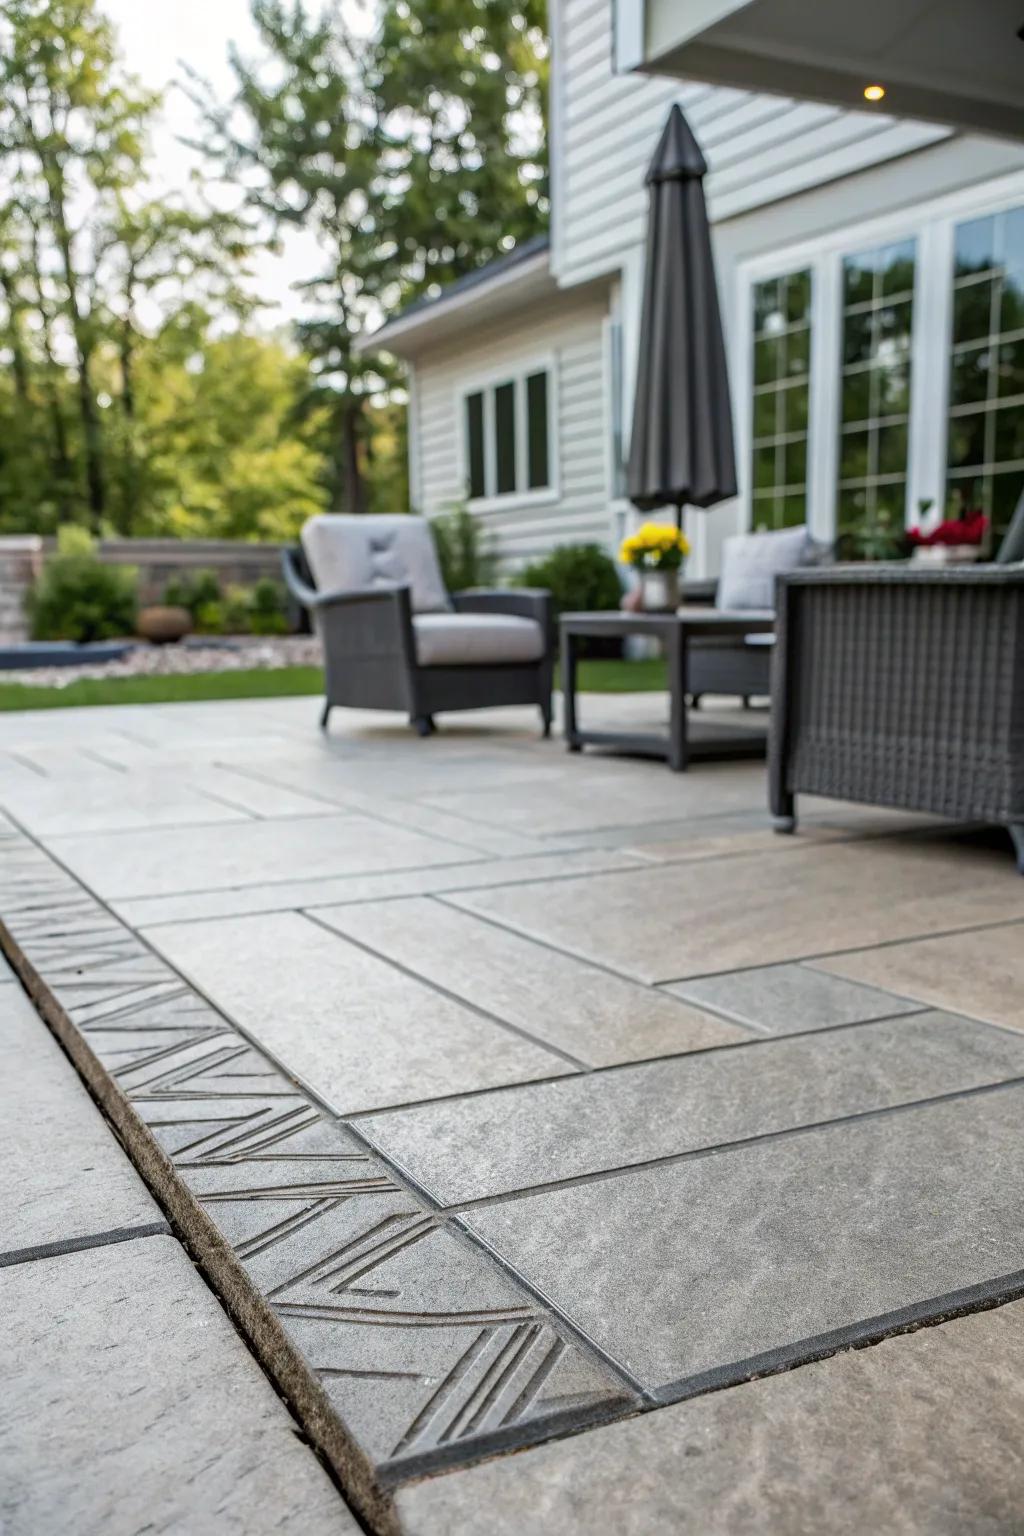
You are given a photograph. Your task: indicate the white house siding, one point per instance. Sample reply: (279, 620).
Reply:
(569, 329)
(762, 151)
(759, 148)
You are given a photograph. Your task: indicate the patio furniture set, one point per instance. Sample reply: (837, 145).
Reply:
(890, 684)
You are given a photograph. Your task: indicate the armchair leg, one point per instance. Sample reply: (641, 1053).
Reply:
(545, 717)
(423, 725)
(784, 814)
(325, 714)
(1017, 834)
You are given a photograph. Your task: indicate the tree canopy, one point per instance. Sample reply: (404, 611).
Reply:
(141, 392)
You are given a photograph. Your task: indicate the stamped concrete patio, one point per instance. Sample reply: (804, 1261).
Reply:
(506, 1100)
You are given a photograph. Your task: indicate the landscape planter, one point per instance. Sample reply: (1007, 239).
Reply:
(163, 625)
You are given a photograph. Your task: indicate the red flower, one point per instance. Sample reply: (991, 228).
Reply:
(970, 529)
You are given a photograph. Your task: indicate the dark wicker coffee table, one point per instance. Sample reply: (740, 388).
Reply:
(687, 738)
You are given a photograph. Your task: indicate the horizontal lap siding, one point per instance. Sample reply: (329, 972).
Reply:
(759, 148)
(571, 328)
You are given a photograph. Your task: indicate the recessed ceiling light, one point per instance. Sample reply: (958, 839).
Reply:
(874, 92)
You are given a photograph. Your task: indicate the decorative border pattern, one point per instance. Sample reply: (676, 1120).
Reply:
(402, 1346)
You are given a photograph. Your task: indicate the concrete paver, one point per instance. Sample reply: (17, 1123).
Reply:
(703, 1272)
(498, 940)
(131, 1404)
(65, 1177)
(494, 1143)
(919, 1436)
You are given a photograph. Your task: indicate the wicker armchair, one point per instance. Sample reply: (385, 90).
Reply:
(902, 686)
(394, 639)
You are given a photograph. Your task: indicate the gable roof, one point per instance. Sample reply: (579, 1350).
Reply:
(524, 264)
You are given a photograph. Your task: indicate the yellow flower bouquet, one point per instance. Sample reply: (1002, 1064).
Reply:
(655, 547)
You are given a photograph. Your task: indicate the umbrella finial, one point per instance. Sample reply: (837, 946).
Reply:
(678, 156)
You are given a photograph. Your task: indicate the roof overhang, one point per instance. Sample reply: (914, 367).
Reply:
(955, 62)
(447, 316)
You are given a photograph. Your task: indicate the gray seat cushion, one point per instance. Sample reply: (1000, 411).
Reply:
(751, 562)
(476, 639)
(351, 554)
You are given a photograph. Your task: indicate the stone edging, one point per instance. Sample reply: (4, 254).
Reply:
(400, 1345)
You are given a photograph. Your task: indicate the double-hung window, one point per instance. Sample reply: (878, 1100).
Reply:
(508, 436)
(985, 444)
(877, 327)
(782, 365)
(883, 371)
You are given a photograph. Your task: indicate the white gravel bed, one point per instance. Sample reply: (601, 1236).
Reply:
(244, 654)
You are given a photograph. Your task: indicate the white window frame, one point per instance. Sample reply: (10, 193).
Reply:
(484, 383)
(931, 224)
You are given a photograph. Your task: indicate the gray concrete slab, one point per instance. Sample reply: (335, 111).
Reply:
(106, 802)
(396, 1337)
(783, 999)
(492, 1143)
(168, 860)
(668, 923)
(417, 1337)
(379, 1314)
(400, 769)
(131, 1404)
(981, 973)
(366, 1034)
(920, 1436)
(65, 1176)
(596, 1018)
(298, 894)
(702, 1272)
(609, 794)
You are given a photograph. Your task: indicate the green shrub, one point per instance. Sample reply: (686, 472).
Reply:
(236, 607)
(192, 591)
(209, 618)
(237, 610)
(580, 577)
(464, 558)
(78, 597)
(267, 608)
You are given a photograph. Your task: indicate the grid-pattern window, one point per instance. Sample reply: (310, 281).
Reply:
(877, 322)
(475, 466)
(986, 399)
(507, 437)
(782, 362)
(537, 471)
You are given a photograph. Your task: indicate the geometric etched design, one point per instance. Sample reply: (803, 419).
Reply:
(426, 1349)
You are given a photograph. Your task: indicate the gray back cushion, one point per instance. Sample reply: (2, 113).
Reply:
(751, 562)
(353, 553)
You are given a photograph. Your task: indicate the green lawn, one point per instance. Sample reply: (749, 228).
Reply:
(285, 682)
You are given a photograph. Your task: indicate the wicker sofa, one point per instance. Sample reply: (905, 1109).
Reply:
(394, 639)
(902, 686)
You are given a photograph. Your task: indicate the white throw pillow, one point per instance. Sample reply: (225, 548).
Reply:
(348, 553)
(751, 562)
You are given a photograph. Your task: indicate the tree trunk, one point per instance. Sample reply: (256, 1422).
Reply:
(127, 371)
(61, 458)
(19, 365)
(355, 498)
(131, 476)
(91, 429)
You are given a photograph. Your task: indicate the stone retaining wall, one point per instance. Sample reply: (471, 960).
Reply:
(21, 560)
(22, 557)
(235, 563)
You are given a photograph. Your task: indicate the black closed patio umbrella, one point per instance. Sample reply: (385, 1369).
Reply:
(681, 449)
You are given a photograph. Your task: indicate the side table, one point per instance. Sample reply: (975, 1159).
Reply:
(685, 739)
